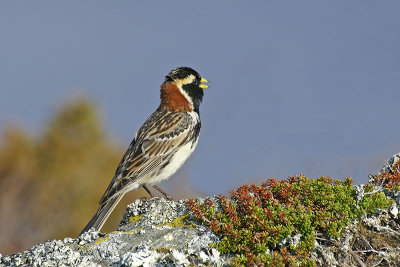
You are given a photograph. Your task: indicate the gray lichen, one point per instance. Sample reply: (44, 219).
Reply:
(158, 232)
(153, 232)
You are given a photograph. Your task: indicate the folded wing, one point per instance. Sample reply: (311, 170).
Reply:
(152, 148)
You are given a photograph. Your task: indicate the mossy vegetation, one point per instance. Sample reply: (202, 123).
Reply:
(276, 223)
(180, 221)
(164, 250)
(135, 218)
(101, 240)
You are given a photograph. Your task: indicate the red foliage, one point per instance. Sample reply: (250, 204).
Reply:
(390, 179)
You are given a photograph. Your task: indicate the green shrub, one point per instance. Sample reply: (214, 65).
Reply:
(260, 223)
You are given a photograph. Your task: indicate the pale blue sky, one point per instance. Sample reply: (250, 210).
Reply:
(296, 86)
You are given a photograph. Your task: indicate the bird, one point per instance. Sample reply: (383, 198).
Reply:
(161, 146)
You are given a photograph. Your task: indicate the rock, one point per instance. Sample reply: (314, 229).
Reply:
(158, 232)
(393, 210)
(155, 232)
(388, 165)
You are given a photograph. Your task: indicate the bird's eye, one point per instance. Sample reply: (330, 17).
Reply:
(195, 81)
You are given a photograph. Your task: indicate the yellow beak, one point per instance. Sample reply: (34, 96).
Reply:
(203, 86)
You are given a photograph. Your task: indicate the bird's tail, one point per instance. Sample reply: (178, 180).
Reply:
(102, 214)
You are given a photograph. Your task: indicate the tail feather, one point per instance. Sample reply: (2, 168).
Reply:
(102, 214)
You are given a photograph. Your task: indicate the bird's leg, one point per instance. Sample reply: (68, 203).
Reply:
(162, 192)
(148, 191)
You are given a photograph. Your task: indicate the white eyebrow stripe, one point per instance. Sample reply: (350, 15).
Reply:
(187, 80)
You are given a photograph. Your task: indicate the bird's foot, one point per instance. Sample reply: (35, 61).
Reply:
(168, 197)
(145, 198)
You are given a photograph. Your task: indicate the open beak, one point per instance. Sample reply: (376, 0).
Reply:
(203, 86)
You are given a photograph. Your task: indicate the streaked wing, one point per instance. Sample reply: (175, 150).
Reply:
(152, 148)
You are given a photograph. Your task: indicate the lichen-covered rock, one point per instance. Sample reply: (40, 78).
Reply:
(153, 232)
(391, 161)
(158, 232)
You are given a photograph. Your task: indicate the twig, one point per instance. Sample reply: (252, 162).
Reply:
(388, 229)
(373, 192)
(371, 250)
(379, 262)
(366, 241)
(357, 258)
(323, 239)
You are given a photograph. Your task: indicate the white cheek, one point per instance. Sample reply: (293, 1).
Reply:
(180, 83)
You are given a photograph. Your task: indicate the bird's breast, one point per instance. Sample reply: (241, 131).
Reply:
(176, 161)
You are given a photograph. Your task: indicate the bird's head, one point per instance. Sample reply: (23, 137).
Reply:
(182, 90)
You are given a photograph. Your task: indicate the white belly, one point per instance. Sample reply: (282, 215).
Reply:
(175, 163)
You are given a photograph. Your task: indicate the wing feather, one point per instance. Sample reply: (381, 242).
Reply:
(152, 147)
